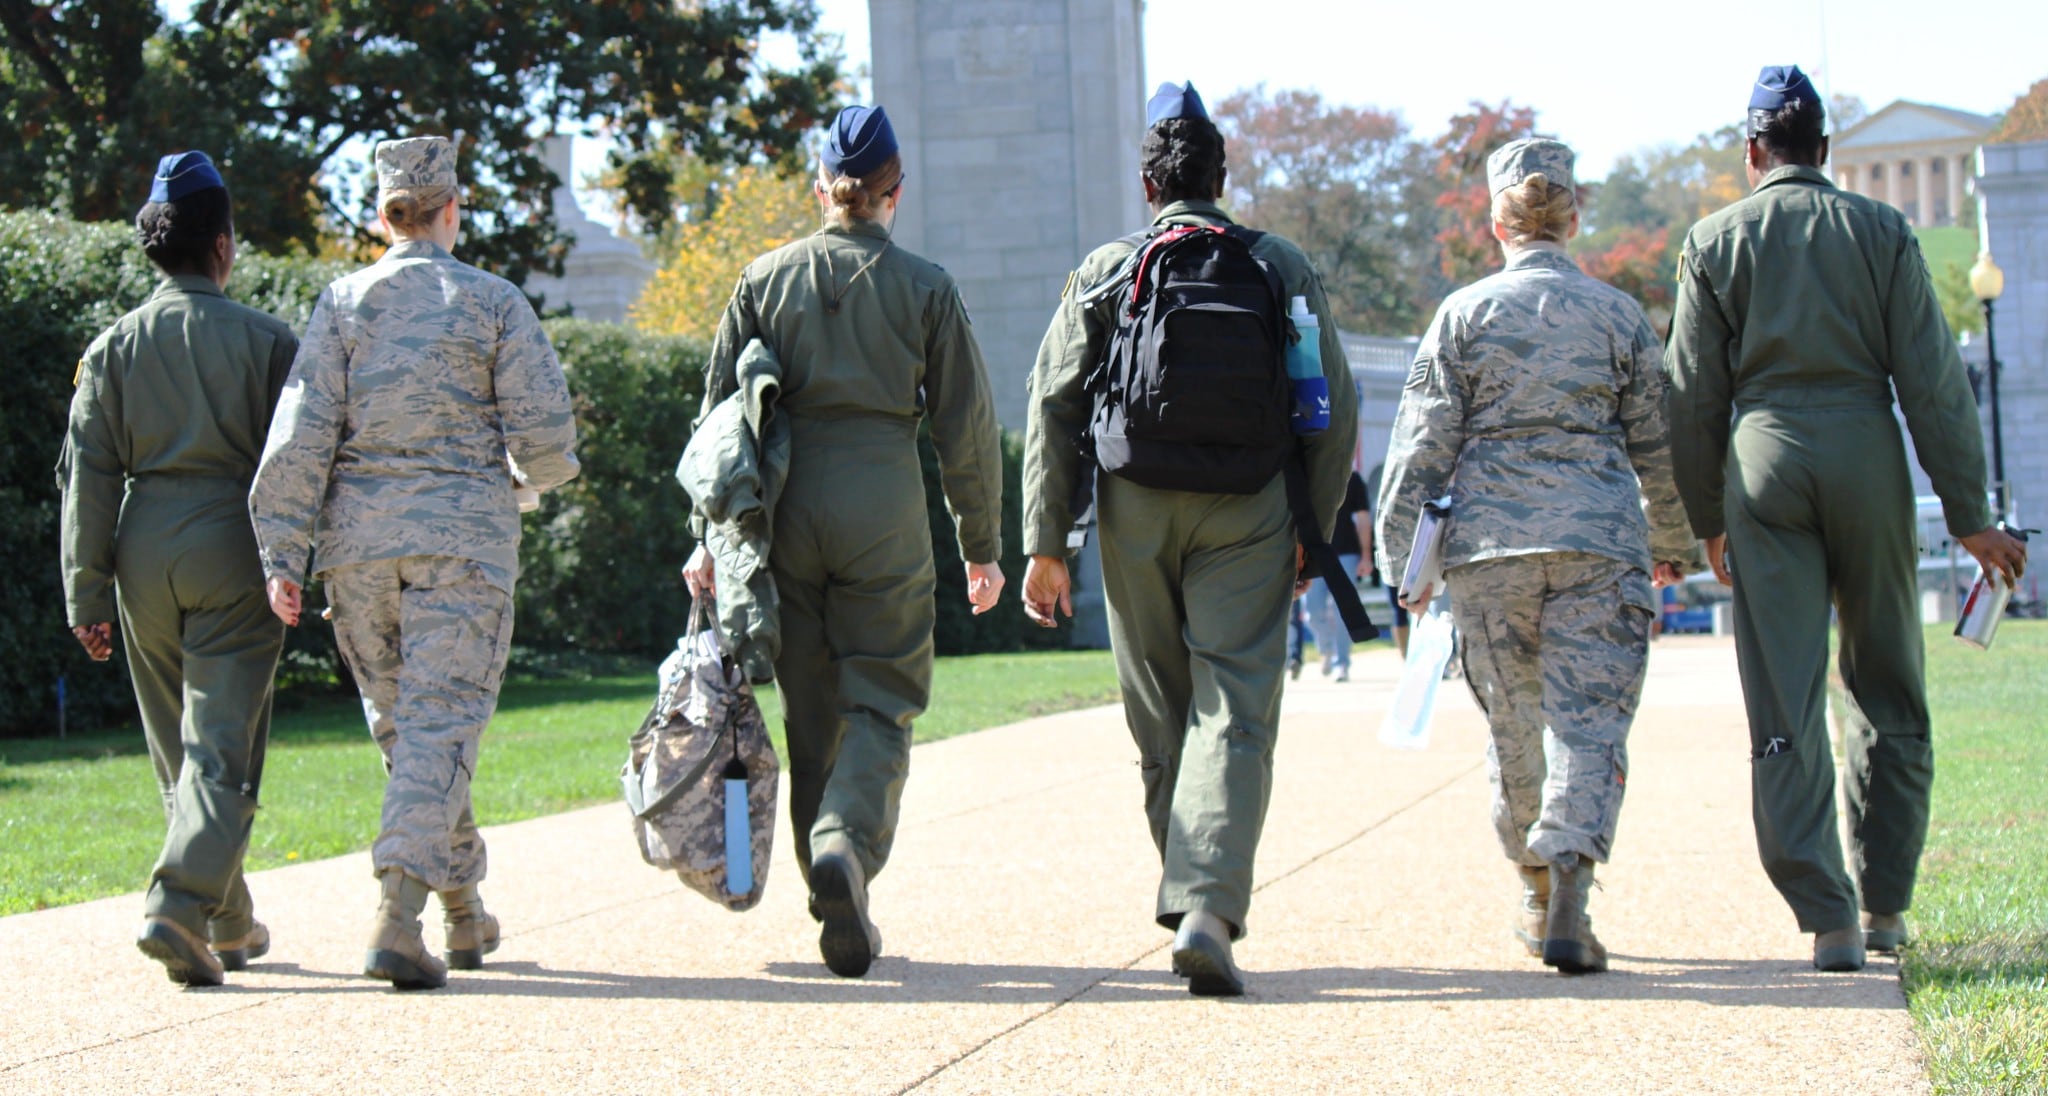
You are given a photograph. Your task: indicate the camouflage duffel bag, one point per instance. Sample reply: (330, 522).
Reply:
(701, 776)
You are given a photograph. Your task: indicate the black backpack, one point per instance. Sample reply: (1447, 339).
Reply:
(1192, 393)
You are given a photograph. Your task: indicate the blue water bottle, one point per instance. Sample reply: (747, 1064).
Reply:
(1311, 413)
(739, 836)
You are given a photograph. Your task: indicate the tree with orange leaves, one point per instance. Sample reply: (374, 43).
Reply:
(1465, 205)
(2026, 120)
(750, 211)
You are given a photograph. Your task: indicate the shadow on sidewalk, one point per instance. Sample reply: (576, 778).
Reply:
(1733, 983)
(1723, 983)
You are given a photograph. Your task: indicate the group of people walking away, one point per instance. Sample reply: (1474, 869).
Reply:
(1190, 403)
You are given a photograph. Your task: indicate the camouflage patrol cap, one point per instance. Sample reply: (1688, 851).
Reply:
(1517, 160)
(415, 163)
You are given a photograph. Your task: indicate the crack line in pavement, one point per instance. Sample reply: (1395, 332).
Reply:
(1150, 952)
(287, 995)
(146, 1034)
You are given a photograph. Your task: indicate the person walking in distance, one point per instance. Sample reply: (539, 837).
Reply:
(167, 425)
(1352, 533)
(422, 385)
(1198, 577)
(1802, 309)
(1536, 403)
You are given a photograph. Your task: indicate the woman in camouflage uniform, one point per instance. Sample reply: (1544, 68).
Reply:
(871, 339)
(1537, 403)
(419, 376)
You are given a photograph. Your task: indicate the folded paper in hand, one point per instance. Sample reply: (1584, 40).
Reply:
(1426, 559)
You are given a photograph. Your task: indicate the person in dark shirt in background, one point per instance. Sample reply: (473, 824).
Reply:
(1391, 582)
(1348, 540)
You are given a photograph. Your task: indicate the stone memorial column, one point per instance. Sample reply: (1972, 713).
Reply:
(1020, 122)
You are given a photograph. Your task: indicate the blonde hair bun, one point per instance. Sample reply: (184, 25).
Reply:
(1535, 210)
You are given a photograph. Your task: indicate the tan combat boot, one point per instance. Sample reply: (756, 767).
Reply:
(472, 931)
(1568, 940)
(1885, 932)
(1534, 913)
(234, 954)
(1839, 950)
(398, 954)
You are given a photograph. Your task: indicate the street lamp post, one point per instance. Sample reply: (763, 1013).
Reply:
(1987, 282)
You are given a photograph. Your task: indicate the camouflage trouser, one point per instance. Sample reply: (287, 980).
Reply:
(426, 638)
(1555, 646)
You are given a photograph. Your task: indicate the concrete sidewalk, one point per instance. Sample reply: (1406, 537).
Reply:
(1020, 954)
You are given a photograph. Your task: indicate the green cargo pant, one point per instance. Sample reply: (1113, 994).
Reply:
(1555, 645)
(852, 558)
(202, 650)
(1819, 507)
(426, 638)
(1198, 587)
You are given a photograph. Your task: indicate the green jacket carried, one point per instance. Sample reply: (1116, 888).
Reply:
(733, 470)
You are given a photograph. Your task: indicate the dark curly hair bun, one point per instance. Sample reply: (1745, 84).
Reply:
(178, 235)
(1184, 158)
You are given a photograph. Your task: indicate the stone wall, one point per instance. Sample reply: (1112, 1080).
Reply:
(1020, 122)
(604, 272)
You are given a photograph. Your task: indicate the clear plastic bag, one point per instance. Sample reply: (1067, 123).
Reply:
(1406, 726)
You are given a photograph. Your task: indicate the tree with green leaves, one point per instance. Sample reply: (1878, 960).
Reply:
(287, 95)
(1634, 223)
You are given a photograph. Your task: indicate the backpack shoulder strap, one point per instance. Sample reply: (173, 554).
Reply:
(1342, 590)
(1122, 275)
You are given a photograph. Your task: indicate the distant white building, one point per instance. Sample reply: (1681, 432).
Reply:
(604, 272)
(1380, 367)
(1915, 156)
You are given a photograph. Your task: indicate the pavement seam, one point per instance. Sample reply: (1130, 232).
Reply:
(208, 1018)
(1106, 975)
(287, 995)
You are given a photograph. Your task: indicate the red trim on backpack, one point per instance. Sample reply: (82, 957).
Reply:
(1171, 235)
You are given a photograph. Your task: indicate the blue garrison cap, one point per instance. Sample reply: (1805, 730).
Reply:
(1174, 101)
(861, 141)
(1777, 85)
(183, 173)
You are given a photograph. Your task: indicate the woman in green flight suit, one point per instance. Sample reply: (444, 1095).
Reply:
(166, 428)
(871, 338)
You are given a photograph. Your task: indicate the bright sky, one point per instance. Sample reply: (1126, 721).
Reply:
(1615, 76)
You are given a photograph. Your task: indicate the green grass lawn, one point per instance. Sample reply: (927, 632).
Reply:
(81, 819)
(1947, 246)
(1977, 977)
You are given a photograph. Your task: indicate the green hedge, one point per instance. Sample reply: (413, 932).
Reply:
(61, 283)
(600, 562)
